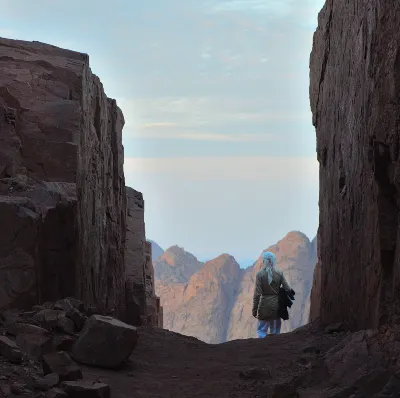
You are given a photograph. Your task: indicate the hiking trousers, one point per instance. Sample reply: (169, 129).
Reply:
(274, 325)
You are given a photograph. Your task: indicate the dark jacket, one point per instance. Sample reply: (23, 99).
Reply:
(285, 301)
(266, 296)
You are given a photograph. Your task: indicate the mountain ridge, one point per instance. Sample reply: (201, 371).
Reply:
(212, 300)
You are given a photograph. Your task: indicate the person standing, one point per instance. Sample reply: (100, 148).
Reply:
(266, 296)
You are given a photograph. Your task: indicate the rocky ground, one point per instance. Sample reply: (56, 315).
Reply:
(98, 356)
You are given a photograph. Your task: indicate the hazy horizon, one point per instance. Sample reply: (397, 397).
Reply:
(218, 134)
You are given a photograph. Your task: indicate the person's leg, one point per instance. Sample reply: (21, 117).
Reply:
(276, 326)
(262, 328)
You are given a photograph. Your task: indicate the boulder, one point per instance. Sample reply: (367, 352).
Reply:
(56, 393)
(66, 324)
(35, 345)
(24, 328)
(10, 350)
(46, 382)
(86, 389)
(48, 318)
(105, 342)
(63, 343)
(61, 364)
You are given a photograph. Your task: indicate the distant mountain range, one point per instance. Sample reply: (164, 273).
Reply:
(213, 300)
(156, 250)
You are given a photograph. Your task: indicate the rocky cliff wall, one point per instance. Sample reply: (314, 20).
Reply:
(355, 101)
(143, 307)
(62, 189)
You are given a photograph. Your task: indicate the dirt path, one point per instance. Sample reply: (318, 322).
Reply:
(166, 364)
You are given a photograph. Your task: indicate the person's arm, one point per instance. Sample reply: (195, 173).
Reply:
(285, 284)
(257, 295)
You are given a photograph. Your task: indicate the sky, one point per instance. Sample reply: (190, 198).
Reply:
(218, 134)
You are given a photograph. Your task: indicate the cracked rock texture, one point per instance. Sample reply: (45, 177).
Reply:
(143, 307)
(355, 101)
(62, 188)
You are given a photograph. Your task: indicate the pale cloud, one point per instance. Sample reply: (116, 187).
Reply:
(158, 125)
(202, 136)
(261, 169)
(278, 7)
(189, 112)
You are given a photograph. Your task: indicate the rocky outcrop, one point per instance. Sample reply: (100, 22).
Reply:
(135, 258)
(62, 195)
(354, 82)
(196, 303)
(36, 346)
(63, 201)
(143, 307)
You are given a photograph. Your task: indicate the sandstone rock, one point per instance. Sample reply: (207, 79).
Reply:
(63, 343)
(62, 191)
(334, 328)
(10, 350)
(24, 328)
(86, 389)
(140, 294)
(154, 310)
(20, 388)
(48, 318)
(135, 258)
(9, 317)
(35, 345)
(56, 393)
(47, 382)
(77, 318)
(66, 324)
(354, 80)
(105, 342)
(61, 364)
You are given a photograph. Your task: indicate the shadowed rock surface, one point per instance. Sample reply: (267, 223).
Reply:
(63, 205)
(62, 191)
(354, 93)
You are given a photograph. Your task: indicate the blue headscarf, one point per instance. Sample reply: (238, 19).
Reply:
(269, 261)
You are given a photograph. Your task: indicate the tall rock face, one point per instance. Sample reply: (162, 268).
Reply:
(354, 94)
(142, 306)
(197, 302)
(62, 189)
(135, 258)
(101, 198)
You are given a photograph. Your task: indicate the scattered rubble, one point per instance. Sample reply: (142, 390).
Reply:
(40, 347)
